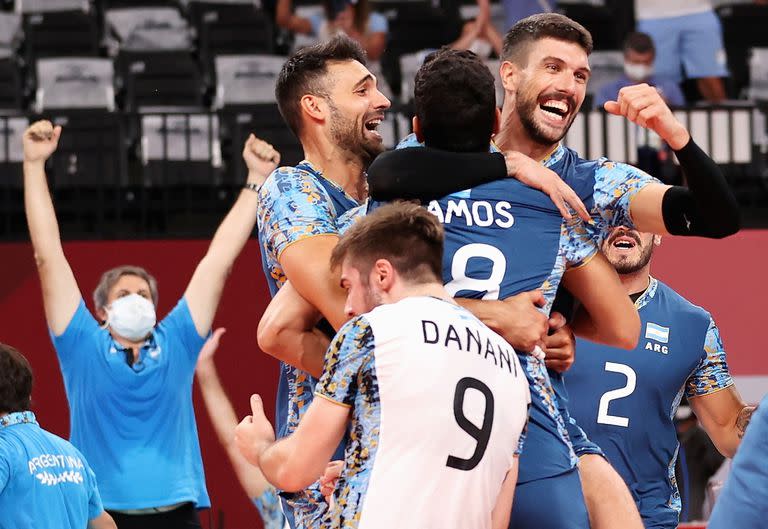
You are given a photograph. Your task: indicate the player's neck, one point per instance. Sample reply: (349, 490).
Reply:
(339, 166)
(403, 290)
(512, 136)
(636, 281)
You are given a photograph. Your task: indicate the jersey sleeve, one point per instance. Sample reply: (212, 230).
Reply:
(712, 373)
(179, 325)
(578, 244)
(346, 361)
(95, 507)
(293, 206)
(69, 344)
(616, 184)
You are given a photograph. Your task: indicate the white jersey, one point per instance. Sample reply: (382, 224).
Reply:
(439, 404)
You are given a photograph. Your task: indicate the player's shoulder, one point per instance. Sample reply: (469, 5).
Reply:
(678, 303)
(291, 179)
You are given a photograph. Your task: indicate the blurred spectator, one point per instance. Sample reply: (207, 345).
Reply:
(639, 56)
(699, 461)
(689, 38)
(354, 18)
(515, 10)
(479, 35)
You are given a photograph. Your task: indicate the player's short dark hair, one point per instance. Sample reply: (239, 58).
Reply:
(305, 73)
(455, 100)
(403, 233)
(110, 277)
(15, 380)
(519, 38)
(639, 42)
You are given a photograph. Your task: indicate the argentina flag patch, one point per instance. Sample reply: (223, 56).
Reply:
(656, 332)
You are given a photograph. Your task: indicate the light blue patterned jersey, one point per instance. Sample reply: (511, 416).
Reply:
(268, 505)
(410, 371)
(626, 400)
(296, 203)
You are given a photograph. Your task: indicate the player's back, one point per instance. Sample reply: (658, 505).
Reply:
(439, 427)
(46, 482)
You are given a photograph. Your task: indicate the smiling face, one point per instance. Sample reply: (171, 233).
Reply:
(551, 88)
(629, 250)
(356, 109)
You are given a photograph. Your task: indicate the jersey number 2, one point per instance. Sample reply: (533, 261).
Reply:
(482, 434)
(602, 411)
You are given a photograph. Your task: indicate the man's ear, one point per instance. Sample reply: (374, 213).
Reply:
(416, 124)
(101, 313)
(315, 107)
(657, 240)
(383, 274)
(510, 74)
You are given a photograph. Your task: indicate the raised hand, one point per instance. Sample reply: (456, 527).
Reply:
(643, 105)
(260, 158)
(254, 433)
(205, 359)
(40, 140)
(533, 174)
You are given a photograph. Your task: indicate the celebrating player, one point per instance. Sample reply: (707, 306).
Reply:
(514, 238)
(545, 71)
(128, 381)
(680, 352)
(427, 390)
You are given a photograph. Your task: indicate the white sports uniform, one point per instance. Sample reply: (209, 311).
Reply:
(439, 404)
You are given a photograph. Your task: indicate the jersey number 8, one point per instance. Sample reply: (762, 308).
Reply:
(460, 263)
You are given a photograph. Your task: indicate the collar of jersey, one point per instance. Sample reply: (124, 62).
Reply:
(306, 165)
(18, 417)
(549, 160)
(647, 296)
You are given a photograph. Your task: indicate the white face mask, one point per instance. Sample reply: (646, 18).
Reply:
(637, 72)
(132, 317)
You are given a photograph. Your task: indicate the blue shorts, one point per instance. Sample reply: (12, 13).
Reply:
(550, 503)
(690, 43)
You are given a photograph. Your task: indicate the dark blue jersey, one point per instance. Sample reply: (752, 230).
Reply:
(626, 400)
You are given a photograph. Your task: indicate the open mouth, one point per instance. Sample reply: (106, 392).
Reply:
(555, 109)
(372, 126)
(624, 242)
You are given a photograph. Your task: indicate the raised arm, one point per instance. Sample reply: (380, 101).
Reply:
(287, 332)
(223, 417)
(287, 20)
(707, 207)
(61, 294)
(205, 287)
(607, 314)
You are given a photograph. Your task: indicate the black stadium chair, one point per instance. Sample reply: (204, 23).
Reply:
(159, 79)
(10, 84)
(231, 28)
(60, 33)
(601, 21)
(744, 27)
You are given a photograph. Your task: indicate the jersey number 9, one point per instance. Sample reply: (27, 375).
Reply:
(480, 434)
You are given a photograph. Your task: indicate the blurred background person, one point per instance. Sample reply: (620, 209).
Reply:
(224, 420)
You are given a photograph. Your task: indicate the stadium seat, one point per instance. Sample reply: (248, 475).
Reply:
(159, 79)
(600, 20)
(10, 33)
(60, 33)
(75, 82)
(744, 27)
(10, 84)
(246, 79)
(147, 29)
(49, 6)
(231, 28)
(758, 74)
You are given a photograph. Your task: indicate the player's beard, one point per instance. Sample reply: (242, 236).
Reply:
(372, 299)
(526, 107)
(626, 264)
(350, 136)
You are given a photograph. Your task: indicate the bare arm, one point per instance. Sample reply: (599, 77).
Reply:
(306, 265)
(296, 461)
(103, 521)
(287, 332)
(608, 315)
(724, 416)
(224, 419)
(286, 19)
(205, 287)
(61, 294)
(516, 319)
(503, 508)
